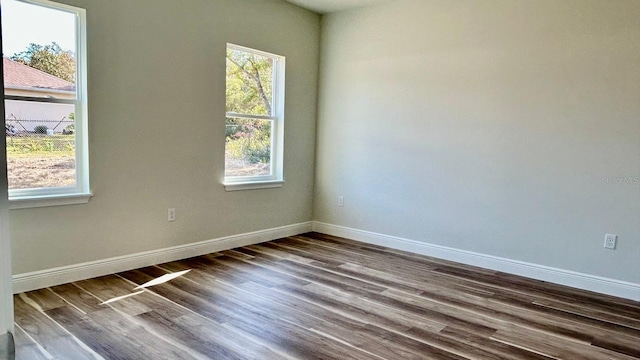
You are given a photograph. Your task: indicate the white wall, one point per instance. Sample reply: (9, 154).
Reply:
(6, 293)
(156, 126)
(486, 126)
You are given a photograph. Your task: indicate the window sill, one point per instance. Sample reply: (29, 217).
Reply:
(254, 185)
(51, 200)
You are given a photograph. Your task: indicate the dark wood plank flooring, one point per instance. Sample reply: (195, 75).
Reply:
(315, 296)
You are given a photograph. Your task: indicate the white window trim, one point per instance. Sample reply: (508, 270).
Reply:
(28, 198)
(51, 200)
(253, 185)
(276, 179)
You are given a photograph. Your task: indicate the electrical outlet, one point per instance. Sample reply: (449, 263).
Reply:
(610, 241)
(172, 214)
(341, 201)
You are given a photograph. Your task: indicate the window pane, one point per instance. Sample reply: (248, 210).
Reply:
(248, 147)
(249, 83)
(40, 144)
(39, 44)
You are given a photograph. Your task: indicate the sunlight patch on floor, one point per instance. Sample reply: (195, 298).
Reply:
(162, 279)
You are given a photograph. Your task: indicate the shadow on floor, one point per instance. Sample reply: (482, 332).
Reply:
(7, 348)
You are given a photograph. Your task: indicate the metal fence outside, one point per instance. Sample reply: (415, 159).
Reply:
(40, 153)
(39, 136)
(18, 127)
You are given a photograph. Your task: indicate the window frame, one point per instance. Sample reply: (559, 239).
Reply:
(276, 179)
(80, 193)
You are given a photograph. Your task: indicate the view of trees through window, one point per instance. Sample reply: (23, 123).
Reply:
(250, 113)
(51, 59)
(40, 95)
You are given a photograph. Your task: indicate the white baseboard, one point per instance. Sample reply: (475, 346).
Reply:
(574, 279)
(66, 274)
(62, 275)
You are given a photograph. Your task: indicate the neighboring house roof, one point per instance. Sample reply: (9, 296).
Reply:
(17, 75)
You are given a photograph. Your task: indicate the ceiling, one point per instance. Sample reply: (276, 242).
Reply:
(328, 6)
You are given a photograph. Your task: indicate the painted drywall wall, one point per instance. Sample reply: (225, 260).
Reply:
(507, 128)
(156, 73)
(6, 293)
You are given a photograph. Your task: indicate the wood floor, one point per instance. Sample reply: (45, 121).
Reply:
(320, 297)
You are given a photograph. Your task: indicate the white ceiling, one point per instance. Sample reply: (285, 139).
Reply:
(328, 6)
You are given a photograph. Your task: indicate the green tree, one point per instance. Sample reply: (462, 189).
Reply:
(249, 91)
(249, 83)
(51, 59)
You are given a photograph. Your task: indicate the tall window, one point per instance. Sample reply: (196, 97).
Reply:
(254, 119)
(45, 102)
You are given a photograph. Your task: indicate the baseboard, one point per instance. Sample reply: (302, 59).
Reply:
(598, 284)
(62, 275)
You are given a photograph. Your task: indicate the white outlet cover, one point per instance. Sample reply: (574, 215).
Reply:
(610, 241)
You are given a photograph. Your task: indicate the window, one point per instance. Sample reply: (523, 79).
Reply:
(254, 119)
(45, 103)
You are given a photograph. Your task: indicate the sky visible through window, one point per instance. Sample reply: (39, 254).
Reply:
(24, 23)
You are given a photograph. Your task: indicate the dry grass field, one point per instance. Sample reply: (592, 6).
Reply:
(36, 161)
(37, 172)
